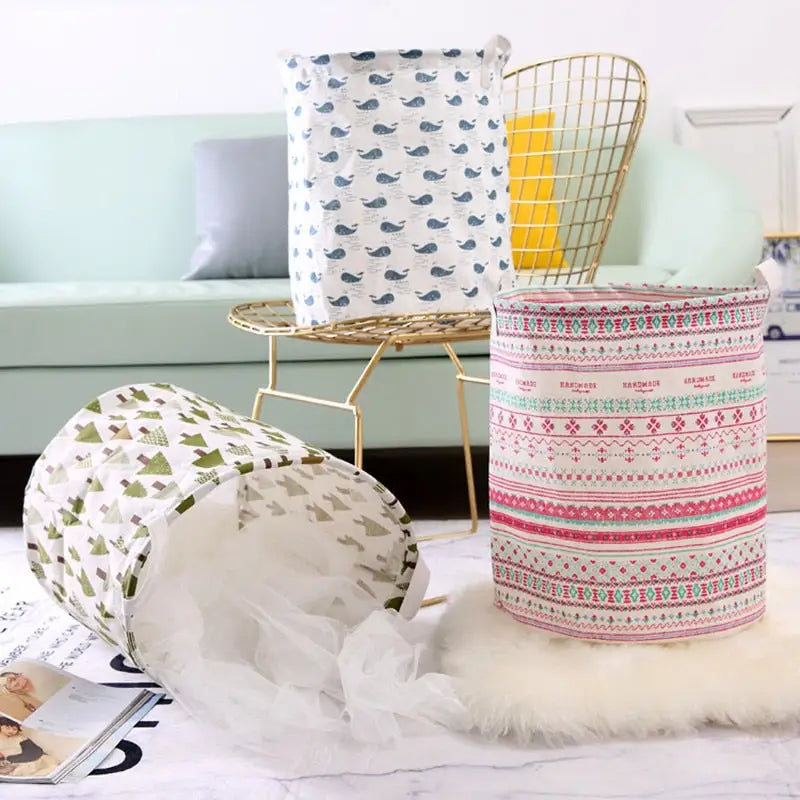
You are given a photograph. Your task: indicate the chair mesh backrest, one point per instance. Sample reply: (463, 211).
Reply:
(586, 112)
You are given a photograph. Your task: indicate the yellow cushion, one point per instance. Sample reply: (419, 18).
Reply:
(530, 143)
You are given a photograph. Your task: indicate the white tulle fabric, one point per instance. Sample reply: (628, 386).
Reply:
(265, 634)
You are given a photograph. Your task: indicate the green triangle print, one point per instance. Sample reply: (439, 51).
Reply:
(118, 458)
(53, 532)
(198, 412)
(170, 490)
(194, 440)
(158, 437)
(149, 415)
(113, 517)
(165, 386)
(43, 557)
(88, 434)
(84, 462)
(94, 406)
(95, 486)
(188, 420)
(135, 490)
(99, 547)
(34, 516)
(140, 394)
(86, 586)
(157, 465)
(212, 459)
(68, 518)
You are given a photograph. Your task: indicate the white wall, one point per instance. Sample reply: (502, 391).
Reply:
(88, 58)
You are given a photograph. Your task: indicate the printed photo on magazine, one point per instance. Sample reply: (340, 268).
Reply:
(55, 726)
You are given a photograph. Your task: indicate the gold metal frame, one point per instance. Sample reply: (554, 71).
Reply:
(595, 105)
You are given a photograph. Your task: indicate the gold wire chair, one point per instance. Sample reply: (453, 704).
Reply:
(573, 126)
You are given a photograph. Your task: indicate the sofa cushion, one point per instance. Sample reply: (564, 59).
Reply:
(241, 208)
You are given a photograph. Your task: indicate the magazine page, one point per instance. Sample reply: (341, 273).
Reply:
(51, 721)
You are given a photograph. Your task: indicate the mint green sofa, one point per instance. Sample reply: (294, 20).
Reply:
(97, 226)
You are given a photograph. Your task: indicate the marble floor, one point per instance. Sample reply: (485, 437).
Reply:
(712, 764)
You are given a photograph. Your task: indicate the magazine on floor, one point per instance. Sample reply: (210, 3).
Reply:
(55, 726)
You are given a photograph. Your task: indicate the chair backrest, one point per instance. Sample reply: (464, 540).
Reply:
(573, 126)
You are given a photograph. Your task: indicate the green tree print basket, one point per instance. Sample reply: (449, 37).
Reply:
(146, 477)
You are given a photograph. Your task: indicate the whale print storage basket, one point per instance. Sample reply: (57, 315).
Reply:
(148, 482)
(398, 182)
(628, 449)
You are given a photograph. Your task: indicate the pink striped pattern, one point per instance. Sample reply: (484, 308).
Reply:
(628, 460)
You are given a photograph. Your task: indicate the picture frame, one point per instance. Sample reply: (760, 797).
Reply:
(782, 341)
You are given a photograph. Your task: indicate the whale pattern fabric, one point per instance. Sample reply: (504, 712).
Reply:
(398, 182)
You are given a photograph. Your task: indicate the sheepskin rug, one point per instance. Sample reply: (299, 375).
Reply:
(522, 682)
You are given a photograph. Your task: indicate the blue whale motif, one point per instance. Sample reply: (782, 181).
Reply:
(497, 171)
(475, 221)
(340, 133)
(348, 277)
(483, 100)
(383, 130)
(306, 134)
(493, 124)
(379, 252)
(323, 59)
(466, 125)
(441, 272)
(309, 253)
(309, 301)
(473, 173)
(380, 80)
(325, 108)
(329, 157)
(470, 292)
(301, 87)
(298, 110)
(378, 202)
(431, 247)
(344, 230)
(383, 300)
(376, 152)
(464, 197)
(469, 244)
(422, 200)
(339, 302)
(488, 148)
(308, 182)
(460, 149)
(306, 206)
(492, 194)
(455, 100)
(291, 63)
(340, 181)
(421, 150)
(316, 277)
(414, 102)
(430, 127)
(367, 105)
(331, 205)
(385, 177)
(313, 230)
(429, 297)
(478, 268)
(411, 54)
(453, 52)
(391, 227)
(503, 264)
(335, 255)
(431, 175)
(337, 83)
(461, 76)
(437, 224)
(425, 77)
(394, 275)
(365, 55)
(496, 242)
(501, 218)
(295, 254)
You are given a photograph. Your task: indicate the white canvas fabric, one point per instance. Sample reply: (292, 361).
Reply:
(398, 182)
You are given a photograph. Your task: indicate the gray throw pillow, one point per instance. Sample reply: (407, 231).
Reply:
(241, 208)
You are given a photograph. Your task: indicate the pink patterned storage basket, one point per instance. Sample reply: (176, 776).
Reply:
(628, 459)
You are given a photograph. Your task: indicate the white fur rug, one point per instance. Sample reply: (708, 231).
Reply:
(517, 680)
